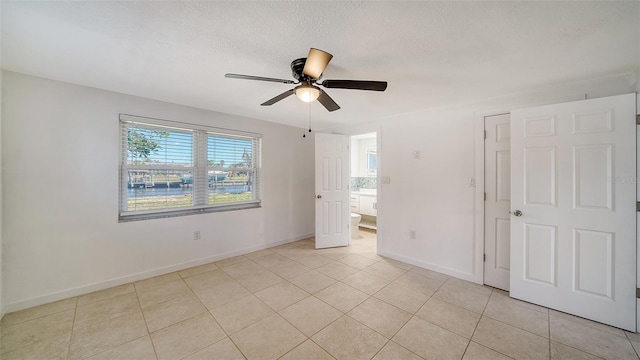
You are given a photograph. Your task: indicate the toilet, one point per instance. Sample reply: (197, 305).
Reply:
(355, 220)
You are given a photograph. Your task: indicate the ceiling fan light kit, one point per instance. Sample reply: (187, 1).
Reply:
(307, 92)
(307, 71)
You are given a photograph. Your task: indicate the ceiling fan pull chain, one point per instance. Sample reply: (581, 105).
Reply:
(309, 104)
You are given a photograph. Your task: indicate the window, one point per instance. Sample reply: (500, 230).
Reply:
(372, 159)
(170, 168)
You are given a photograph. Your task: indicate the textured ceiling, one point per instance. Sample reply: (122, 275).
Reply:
(432, 53)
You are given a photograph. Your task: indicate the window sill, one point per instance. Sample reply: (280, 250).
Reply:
(127, 217)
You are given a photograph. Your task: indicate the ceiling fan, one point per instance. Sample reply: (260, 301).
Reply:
(307, 71)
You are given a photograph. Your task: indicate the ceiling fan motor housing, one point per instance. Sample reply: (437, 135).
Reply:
(297, 66)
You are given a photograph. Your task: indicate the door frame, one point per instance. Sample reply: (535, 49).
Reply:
(366, 129)
(480, 184)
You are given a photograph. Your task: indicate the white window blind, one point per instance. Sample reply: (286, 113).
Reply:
(170, 168)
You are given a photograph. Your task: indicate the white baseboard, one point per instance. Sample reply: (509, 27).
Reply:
(85, 289)
(429, 266)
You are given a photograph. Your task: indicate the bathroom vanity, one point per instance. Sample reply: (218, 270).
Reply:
(364, 202)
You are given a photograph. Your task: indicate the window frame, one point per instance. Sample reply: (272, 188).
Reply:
(199, 168)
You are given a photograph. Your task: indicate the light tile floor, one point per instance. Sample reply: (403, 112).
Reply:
(295, 302)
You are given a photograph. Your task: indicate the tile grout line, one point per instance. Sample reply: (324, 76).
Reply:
(135, 289)
(476, 327)
(73, 325)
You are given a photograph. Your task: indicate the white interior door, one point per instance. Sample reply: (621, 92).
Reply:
(497, 173)
(573, 241)
(332, 190)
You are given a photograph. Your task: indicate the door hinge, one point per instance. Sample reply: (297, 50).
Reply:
(485, 134)
(638, 293)
(485, 196)
(638, 119)
(638, 206)
(484, 257)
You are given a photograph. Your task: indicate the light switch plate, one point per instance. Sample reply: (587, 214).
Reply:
(386, 180)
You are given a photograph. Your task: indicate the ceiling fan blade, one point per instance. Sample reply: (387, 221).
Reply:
(259, 78)
(278, 98)
(327, 101)
(316, 62)
(355, 84)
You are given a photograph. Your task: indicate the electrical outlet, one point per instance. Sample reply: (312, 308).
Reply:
(471, 182)
(196, 235)
(416, 154)
(412, 234)
(386, 180)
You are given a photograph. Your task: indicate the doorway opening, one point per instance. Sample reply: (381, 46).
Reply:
(364, 188)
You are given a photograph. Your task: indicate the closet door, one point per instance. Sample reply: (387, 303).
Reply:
(573, 208)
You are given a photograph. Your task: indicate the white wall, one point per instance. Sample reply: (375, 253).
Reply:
(430, 195)
(60, 153)
(1, 206)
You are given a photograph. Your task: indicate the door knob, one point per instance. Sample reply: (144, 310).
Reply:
(516, 213)
(319, 196)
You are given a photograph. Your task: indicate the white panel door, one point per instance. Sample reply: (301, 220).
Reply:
(332, 190)
(573, 223)
(497, 173)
